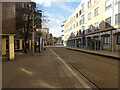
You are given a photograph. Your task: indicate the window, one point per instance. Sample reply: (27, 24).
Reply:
(89, 16)
(80, 32)
(90, 28)
(77, 15)
(108, 4)
(82, 8)
(80, 12)
(80, 22)
(89, 4)
(118, 39)
(83, 19)
(96, 26)
(17, 44)
(74, 17)
(107, 40)
(117, 19)
(108, 22)
(96, 11)
(83, 30)
(74, 25)
(77, 24)
(117, 1)
(25, 5)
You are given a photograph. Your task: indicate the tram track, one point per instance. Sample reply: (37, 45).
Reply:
(78, 73)
(102, 72)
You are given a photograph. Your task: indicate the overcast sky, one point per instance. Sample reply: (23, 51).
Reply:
(56, 12)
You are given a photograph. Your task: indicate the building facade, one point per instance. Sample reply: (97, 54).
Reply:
(95, 24)
(17, 26)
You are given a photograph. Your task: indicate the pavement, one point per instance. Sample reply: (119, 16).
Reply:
(43, 70)
(98, 52)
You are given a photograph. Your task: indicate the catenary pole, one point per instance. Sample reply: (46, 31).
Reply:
(33, 36)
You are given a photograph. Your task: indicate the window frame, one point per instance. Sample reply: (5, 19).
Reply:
(77, 15)
(89, 16)
(90, 28)
(96, 25)
(117, 20)
(89, 3)
(96, 11)
(83, 19)
(106, 40)
(109, 6)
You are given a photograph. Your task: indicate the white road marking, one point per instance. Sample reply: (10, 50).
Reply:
(72, 71)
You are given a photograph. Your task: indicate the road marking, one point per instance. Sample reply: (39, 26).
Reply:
(72, 71)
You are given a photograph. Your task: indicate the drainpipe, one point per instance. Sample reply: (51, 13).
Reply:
(86, 43)
(94, 44)
(112, 45)
(75, 43)
(112, 42)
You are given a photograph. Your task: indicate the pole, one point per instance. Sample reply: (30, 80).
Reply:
(33, 37)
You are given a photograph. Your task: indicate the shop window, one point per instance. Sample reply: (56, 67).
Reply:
(107, 40)
(7, 44)
(118, 39)
(17, 44)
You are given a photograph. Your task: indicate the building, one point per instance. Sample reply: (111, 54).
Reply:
(94, 25)
(8, 29)
(17, 26)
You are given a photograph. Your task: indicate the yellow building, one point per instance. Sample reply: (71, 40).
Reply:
(94, 25)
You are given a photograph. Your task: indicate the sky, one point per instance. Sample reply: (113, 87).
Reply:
(56, 13)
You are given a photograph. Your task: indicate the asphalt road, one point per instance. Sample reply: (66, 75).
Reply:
(101, 71)
(60, 68)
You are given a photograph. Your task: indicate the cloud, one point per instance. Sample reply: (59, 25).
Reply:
(65, 7)
(46, 3)
(54, 24)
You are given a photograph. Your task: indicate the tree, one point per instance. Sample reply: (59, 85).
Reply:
(24, 21)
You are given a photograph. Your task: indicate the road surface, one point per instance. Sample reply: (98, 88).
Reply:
(101, 71)
(60, 68)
